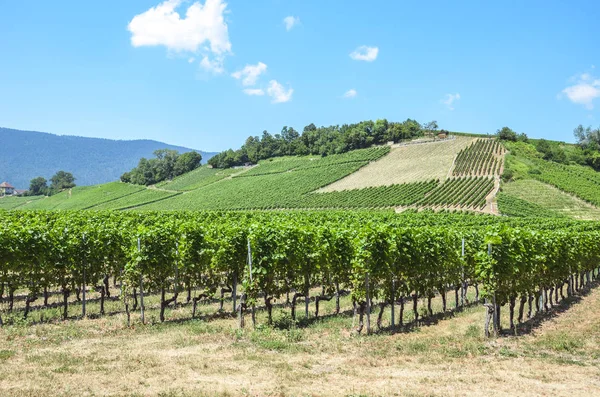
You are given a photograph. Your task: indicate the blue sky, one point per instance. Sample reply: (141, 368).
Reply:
(207, 74)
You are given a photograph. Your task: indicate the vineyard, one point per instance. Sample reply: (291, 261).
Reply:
(513, 206)
(406, 164)
(357, 179)
(9, 203)
(284, 164)
(197, 178)
(483, 157)
(146, 196)
(372, 197)
(579, 181)
(549, 198)
(465, 192)
(384, 261)
(272, 191)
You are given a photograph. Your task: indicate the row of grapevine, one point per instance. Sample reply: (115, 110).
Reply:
(483, 157)
(372, 197)
(464, 192)
(197, 178)
(513, 206)
(284, 164)
(381, 259)
(576, 180)
(274, 191)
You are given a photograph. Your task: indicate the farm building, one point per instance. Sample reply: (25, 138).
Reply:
(6, 189)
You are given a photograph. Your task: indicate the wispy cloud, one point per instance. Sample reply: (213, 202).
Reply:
(450, 99)
(254, 91)
(214, 66)
(365, 53)
(278, 93)
(350, 93)
(250, 73)
(290, 22)
(201, 30)
(583, 90)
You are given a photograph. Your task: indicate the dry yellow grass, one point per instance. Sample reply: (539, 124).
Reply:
(206, 358)
(404, 164)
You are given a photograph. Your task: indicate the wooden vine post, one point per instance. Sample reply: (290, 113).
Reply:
(141, 286)
(463, 290)
(250, 269)
(368, 304)
(392, 299)
(84, 286)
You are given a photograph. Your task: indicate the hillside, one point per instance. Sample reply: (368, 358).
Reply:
(456, 174)
(28, 154)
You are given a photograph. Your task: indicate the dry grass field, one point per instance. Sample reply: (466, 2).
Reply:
(405, 164)
(558, 355)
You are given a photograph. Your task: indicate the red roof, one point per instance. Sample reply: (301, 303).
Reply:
(7, 185)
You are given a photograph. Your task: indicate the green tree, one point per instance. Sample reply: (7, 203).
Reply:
(38, 186)
(126, 177)
(165, 165)
(506, 134)
(587, 138)
(62, 180)
(187, 162)
(431, 127)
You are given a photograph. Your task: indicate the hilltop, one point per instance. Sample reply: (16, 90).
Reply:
(28, 154)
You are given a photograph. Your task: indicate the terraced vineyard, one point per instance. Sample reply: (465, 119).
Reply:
(52, 202)
(548, 197)
(84, 197)
(285, 182)
(462, 192)
(406, 164)
(283, 164)
(198, 178)
(371, 197)
(273, 191)
(483, 157)
(577, 180)
(146, 196)
(10, 202)
(513, 206)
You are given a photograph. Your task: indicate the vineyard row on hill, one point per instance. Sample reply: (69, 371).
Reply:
(579, 181)
(279, 165)
(464, 192)
(380, 259)
(483, 157)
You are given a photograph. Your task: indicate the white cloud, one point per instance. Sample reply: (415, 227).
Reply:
(365, 53)
(250, 73)
(254, 91)
(191, 60)
(450, 99)
(584, 90)
(164, 26)
(278, 92)
(351, 93)
(290, 22)
(215, 66)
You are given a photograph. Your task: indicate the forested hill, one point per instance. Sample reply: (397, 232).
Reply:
(26, 154)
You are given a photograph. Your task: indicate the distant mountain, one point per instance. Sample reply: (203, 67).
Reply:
(25, 155)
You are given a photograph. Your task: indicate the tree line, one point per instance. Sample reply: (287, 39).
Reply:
(166, 165)
(60, 181)
(586, 152)
(323, 141)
